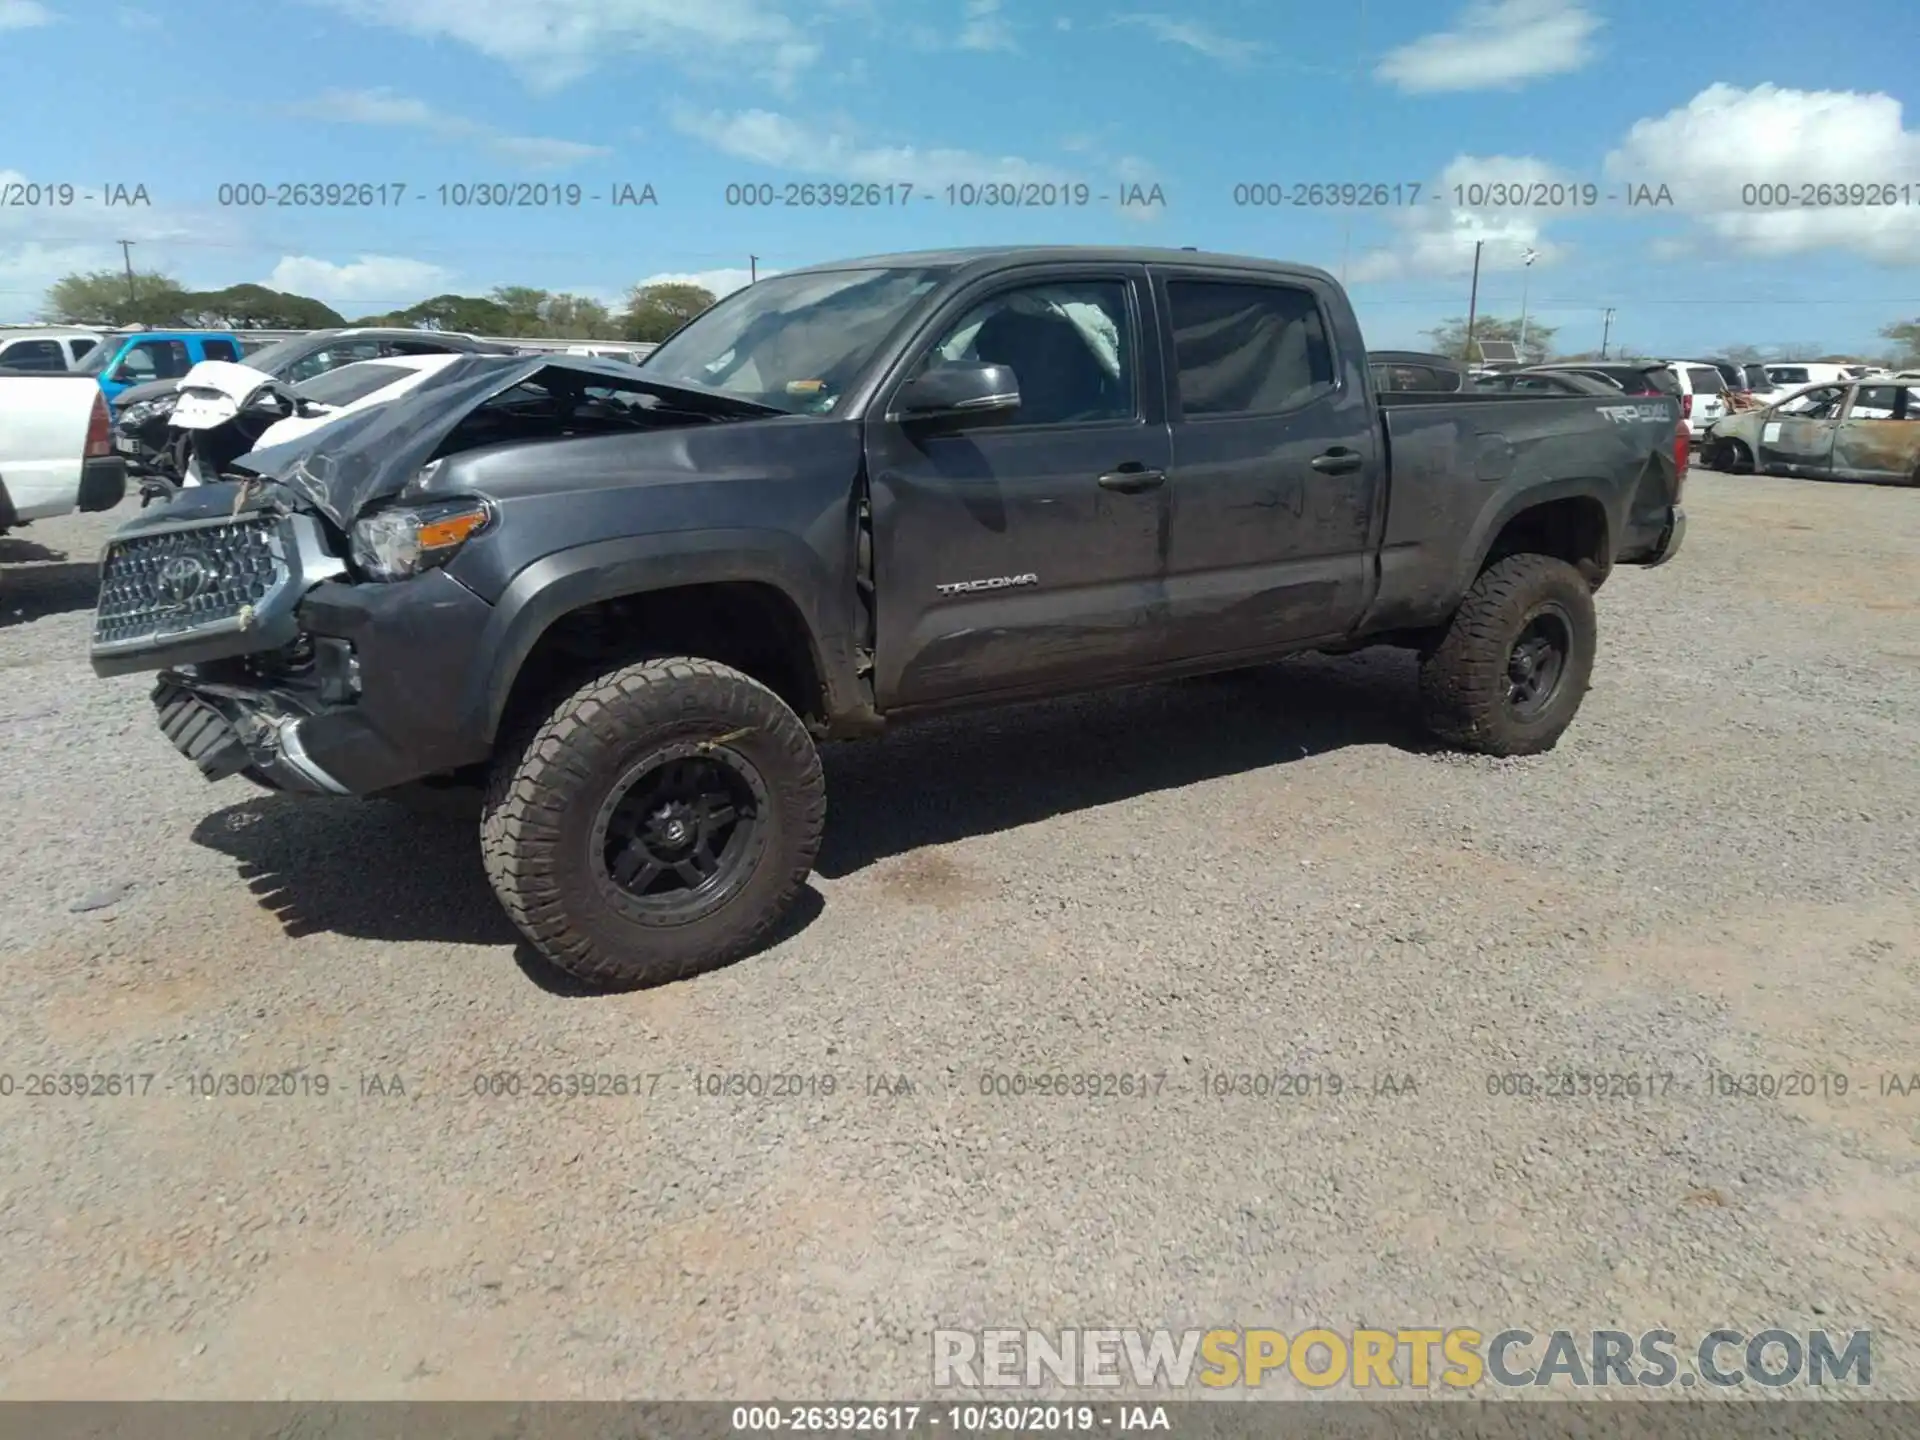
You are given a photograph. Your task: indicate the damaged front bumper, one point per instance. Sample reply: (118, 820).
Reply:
(275, 662)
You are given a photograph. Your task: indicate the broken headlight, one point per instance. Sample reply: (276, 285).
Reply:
(405, 540)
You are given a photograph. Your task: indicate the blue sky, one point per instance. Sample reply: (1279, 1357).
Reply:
(689, 96)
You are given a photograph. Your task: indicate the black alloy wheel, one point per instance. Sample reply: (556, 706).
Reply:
(678, 832)
(1537, 663)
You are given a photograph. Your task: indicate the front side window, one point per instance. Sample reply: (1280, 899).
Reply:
(1245, 348)
(155, 360)
(1070, 347)
(1821, 404)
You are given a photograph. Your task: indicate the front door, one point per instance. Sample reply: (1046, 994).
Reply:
(1024, 551)
(1797, 435)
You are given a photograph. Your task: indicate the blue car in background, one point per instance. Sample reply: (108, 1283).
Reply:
(120, 361)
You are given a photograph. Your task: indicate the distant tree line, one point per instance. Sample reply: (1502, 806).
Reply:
(1450, 338)
(112, 297)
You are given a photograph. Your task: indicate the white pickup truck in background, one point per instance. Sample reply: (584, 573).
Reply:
(56, 448)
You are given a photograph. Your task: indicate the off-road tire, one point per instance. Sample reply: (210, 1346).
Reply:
(537, 825)
(1464, 681)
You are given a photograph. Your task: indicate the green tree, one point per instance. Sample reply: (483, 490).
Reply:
(578, 317)
(1450, 337)
(656, 311)
(525, 307)
(1905, 335)
(255, 307)
(107, 297)
(471, 314)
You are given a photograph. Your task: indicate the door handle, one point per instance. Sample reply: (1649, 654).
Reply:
(1132, 479)
(1338, 462)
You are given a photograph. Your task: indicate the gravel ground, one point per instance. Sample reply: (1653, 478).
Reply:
(1266, 873)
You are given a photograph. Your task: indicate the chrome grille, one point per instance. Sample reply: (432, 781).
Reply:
(175, 581)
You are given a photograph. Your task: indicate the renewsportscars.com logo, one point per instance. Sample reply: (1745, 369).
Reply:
(1415, 1358)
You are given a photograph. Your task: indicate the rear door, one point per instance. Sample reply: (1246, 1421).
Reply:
(1797, 436)
(1025, 551)
(1276, 464)
(1879, 437)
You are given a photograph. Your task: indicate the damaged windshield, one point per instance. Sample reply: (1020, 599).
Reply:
(794, 342)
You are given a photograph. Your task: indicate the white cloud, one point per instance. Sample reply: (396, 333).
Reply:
(985, 28)
(388, 280)
(1496, 44)
(719, 283)
(1726, 138)
(383, 107)
(555, 42)
(39, 245)
(1439, 239)
(133, 19)
(1197, 37)
(23, 15)
(782, 143)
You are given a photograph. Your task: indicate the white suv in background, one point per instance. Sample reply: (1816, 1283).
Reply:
(1703, 393)
(1790, 375)
(51, 349)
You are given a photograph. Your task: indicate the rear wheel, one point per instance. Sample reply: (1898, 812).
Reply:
(661, 821)
(1510, 672)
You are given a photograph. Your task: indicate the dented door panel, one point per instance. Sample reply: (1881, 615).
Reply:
(1880, 438)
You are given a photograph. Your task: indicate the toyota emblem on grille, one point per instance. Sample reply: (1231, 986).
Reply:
(182, 579)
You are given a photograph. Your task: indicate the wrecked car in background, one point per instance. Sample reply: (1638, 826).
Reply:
(1862, 429)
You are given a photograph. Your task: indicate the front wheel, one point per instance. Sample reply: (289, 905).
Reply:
(1515, 662)
(661, 821)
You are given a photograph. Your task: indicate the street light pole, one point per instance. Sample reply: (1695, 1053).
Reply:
(1473, 300)
(1526, 274)
(1606, 334)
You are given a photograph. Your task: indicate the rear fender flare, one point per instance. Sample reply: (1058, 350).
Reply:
(1495, 518)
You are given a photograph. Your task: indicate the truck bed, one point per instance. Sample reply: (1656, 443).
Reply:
(1462, 464)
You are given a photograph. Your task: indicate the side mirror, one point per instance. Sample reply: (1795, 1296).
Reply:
(957, 392)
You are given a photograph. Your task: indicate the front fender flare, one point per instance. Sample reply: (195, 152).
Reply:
(608, 569)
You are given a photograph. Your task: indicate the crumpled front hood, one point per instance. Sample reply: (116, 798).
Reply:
(213, 392)
(145, 393)
(370, 455)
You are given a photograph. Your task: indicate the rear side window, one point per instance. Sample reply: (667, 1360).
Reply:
(1875, 402)
(1247, 349)
(350, 382)
(1660, 381)
(1788, 374)
(34, 355)
(220, 349)
(1705, 380)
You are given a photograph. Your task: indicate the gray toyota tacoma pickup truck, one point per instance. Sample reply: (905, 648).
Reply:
(622, 604)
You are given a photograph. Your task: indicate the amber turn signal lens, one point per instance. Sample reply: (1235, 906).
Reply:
(450, 529)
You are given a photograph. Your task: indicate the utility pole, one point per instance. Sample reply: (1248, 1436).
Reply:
(126, 254)
(1526, 274)
(753, 269)
(1473, 300)
(1606, 334)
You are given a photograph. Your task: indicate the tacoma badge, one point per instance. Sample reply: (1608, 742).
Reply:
(998, 582)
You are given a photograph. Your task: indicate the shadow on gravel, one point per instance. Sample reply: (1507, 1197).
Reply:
(949, 779)
(358, 868)
(375, 872)
(36, 582)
